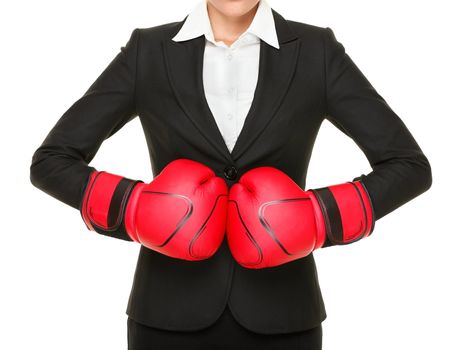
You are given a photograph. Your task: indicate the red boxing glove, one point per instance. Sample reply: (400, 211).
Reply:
(272, 221)
(181, 213)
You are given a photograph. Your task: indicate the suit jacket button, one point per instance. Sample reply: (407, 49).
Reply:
(230, 172)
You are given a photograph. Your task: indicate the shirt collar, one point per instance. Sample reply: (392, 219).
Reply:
(197, 23)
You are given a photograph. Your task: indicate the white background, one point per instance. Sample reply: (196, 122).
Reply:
(64, 287)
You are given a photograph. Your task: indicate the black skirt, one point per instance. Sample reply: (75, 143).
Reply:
(226, 333)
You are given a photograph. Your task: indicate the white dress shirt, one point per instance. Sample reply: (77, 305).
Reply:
(230, 74)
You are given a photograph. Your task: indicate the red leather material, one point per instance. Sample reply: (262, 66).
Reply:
(271, 220)
(97, 197)
(181, 213)
(348, 212)
(353, 211)
(129, 218)
(320, 221)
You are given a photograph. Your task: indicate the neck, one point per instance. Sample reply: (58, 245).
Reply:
(228, 27)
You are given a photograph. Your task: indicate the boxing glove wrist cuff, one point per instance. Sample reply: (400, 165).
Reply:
(347, 210)
(104, 203)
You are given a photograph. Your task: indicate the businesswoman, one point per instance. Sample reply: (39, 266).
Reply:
(230, 99)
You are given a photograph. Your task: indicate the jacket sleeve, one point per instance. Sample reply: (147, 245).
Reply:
(59, 167)
(400, 170)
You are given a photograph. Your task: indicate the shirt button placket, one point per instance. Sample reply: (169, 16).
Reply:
(229, 54)
(231, 93)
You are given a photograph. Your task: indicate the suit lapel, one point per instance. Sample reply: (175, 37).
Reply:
(276, 68)
(184, 64)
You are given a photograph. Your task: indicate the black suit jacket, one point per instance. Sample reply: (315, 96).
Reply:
(309, 79)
